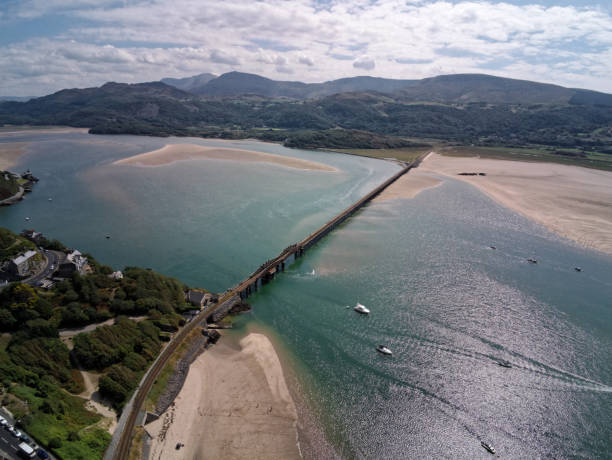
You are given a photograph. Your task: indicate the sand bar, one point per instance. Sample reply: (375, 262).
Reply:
(234, 404)
(572, 201)
(177, 152)
(10, 153)
(409, 185)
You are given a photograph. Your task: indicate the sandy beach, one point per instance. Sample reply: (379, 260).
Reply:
(572, 201)
(234, 404)
(409, 185)
(10, 153)
(177, 152)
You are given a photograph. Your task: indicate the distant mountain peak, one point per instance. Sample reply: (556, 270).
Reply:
(188, 83)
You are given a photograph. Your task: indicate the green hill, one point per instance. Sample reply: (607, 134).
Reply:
(466, 109)
(39, 374)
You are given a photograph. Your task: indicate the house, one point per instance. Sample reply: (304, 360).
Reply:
(21, 266)
(198, 298)
(116, 275)
(74, 262)
(33, 236)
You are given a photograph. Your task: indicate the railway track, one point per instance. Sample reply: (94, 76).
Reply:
(123, 446)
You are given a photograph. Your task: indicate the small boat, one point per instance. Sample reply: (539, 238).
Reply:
(578, 269)
(361, 309)
(504, 363)
(532, 260)
(492, 247)
(488, 446)
(50, 199)
(27, 218)
(107, 236)
(384, 350)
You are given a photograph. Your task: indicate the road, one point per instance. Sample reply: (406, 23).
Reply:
(53, 258)
(9, 445)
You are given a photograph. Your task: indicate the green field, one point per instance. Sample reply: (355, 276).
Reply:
(572, 157)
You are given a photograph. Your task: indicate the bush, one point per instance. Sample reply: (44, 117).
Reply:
(55, 443)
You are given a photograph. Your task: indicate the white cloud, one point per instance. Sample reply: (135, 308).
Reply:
(141, 40)
(364, 62)
(305, 60)
(221, 57)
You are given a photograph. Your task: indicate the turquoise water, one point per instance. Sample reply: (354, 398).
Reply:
(208, 222)
(450, 307)
(446, 304)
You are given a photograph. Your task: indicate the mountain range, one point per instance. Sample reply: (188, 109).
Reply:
(360, 112)
(459, 88)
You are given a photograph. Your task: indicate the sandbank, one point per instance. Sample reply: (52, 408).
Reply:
(177, 152)
(409, 185)
(572, 201)
(234, 404)
(10, 153)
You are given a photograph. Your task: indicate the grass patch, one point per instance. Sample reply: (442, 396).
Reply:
(61, 422)
(90, 444)
(571, 157)
(162, 380)
(135, 452)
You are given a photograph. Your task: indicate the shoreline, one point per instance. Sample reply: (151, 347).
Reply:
(409, 186)
(234, 403)
(571, 201)
(172, 153)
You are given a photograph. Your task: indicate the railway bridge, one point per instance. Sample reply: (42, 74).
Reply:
(121, 442)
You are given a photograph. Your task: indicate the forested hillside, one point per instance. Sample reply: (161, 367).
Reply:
(40, 376)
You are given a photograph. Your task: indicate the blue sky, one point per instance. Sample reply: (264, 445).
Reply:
(47, 45)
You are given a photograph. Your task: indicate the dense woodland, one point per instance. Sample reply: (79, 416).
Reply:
(39, 375)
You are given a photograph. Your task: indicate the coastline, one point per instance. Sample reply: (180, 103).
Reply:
(571, 201)
(171, 153)
(409, 185)
(234, 403)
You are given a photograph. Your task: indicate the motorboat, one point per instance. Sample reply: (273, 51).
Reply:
(361, 309)
(27, 218)
(504, 363)
(532, 261)
(578, 269)
(488, 446)
(384, 350)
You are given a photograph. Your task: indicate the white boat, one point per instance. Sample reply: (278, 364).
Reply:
(384, 350)
(361, 309)
(27, 218)
(487, 446)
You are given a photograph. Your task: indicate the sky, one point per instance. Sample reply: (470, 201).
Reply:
(48, 45)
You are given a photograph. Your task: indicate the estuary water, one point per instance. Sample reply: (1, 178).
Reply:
(207, 222)
(448, 305)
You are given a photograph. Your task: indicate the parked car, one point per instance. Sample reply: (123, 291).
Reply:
(24, 437)
(3, 421)
(41, 453)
